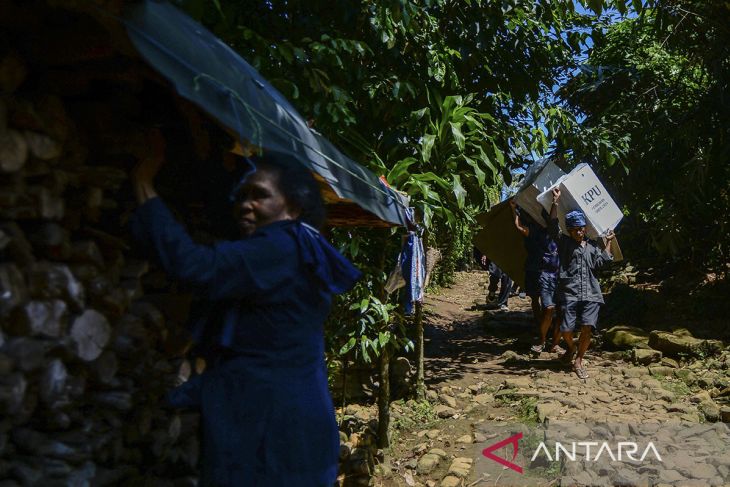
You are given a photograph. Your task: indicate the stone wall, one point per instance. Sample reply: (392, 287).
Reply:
(91, 334)
(89, 337)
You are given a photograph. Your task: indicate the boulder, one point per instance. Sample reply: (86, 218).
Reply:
(13, 151)
(28, 354)
(91, 332)
(447, 400)
(40, 318)
(682, 342)
(48, 280)
(518, 382)
(700, 397)
(42, 146)
(546, 410)
(669, 362)
(438, 452)
(460, 467)
(661, 370)
(710, 410)
(686, 376)
(624, 337)
(451, 481)
(444, 411)
(53, 383)
(427, 463)
(484, 399)
(12, 393)
(644, 356)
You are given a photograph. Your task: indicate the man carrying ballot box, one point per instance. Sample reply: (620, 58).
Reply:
(579, 292)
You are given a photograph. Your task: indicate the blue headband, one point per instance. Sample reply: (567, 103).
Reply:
(575, 218)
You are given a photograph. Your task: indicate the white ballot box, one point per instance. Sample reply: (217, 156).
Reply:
(581, 189)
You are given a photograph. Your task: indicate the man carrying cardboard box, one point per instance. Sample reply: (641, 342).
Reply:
(541, 269)
(579, 292)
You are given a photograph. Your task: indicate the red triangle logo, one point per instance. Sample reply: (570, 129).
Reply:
(514, 439)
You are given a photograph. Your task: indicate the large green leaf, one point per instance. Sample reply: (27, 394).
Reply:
(498, 154)
(427, 142)
(458, 136)
(459, 191)
(400, 170)
(430, 176)
(596, 6)
(478, 173)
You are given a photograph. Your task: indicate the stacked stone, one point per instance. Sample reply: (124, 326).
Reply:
(90, 337)
(359, 454)
(84, 356)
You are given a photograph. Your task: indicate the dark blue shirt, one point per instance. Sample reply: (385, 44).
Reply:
(542, 249)
(577, 280)
(267, 415)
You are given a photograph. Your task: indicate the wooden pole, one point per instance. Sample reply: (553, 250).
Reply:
(384, 366)
(384, 399)
(420, 385)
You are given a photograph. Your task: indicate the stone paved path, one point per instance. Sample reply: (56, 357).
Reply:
(479, 373)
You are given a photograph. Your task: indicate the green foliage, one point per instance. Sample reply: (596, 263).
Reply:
(371, 318)
(361, 70)
(414, 414)
(411, 415)
(443, 98)
(675, 386)
(455, 161)
(363, 322)
(653, 96)
(456, 252)
(527, 410)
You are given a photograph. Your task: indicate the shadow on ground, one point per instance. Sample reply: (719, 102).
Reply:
(457, 348)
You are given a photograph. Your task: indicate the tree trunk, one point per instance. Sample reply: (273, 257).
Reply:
(384, 399)
(384, 363)
(418, 319)
(344, 388)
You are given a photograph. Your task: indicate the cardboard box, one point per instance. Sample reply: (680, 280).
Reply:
(500, 241)
(538, 179)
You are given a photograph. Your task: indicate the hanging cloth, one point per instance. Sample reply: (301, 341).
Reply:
(413, 269)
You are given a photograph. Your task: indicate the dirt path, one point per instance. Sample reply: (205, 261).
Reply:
(480, 375)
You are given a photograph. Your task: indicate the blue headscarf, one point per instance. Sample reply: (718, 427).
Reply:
(575, 218)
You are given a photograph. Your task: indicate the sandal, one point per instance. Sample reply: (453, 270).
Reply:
(557, 349)
(581, 372)
(537, 348)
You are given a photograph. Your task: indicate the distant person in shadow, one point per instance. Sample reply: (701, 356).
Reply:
(497, 280)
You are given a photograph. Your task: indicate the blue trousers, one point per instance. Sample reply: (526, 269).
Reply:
(498, 277)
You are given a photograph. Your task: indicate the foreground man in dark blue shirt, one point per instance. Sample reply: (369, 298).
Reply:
(267, 416)
(579, 292)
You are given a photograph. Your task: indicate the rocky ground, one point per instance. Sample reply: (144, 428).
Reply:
(480, 375)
